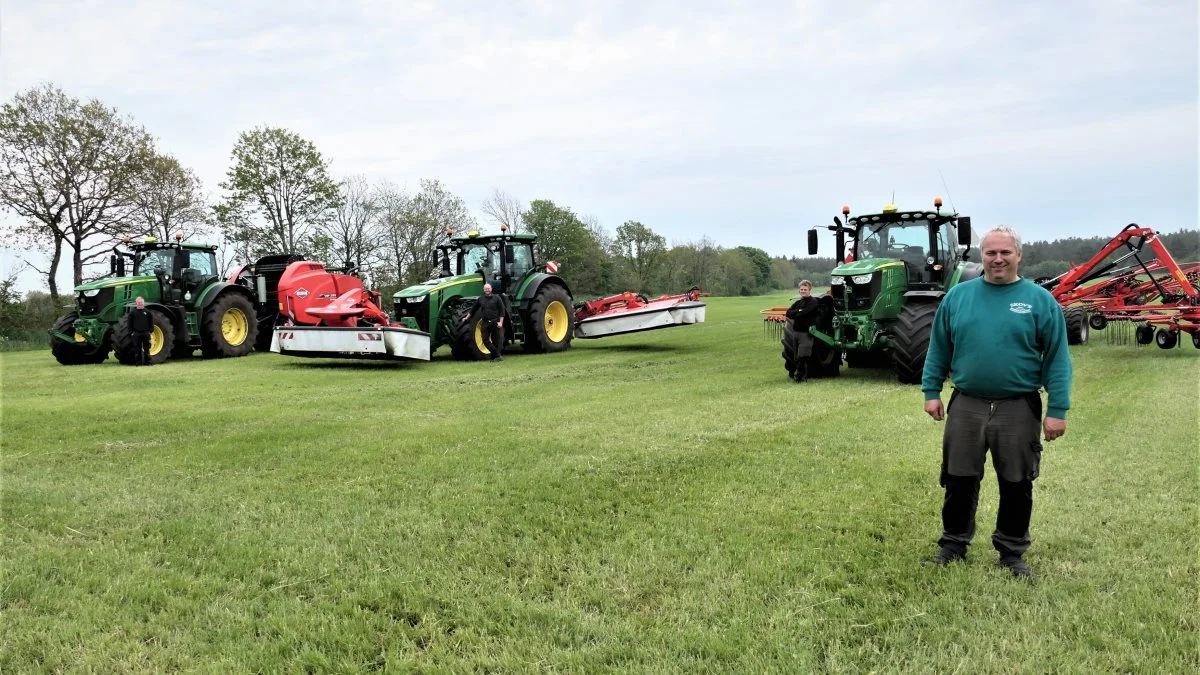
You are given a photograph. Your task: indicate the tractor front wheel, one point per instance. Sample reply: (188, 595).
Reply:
(825, 360)
(551, 324)
(910, 340)
(467, 336)
(78, 352)
(162, 339)
(229, 327)
(1077, 326)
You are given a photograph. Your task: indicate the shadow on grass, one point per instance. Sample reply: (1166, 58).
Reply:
(649, 349)
(352, 364)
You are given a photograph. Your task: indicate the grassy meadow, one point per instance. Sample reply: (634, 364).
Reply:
(660, 502)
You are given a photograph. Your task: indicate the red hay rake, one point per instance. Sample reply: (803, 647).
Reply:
(1158, 296)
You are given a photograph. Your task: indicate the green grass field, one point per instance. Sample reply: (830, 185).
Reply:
(662, 502)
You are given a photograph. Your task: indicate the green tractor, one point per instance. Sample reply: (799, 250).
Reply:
(882, 299)
(540, 308)
(192, 308)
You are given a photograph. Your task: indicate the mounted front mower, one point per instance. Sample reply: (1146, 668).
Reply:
(190, 306)
(539, 314)
(882, 299)
(1160, 296)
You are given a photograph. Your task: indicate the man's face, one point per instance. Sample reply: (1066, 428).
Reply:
(487, 289)
(1001, 259)
(805, 291)
(140, 303)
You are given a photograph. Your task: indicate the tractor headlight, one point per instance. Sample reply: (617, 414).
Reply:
(861, 279)
(91, 293)
(837, 281)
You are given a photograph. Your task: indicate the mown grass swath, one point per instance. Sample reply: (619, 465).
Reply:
(661, 502)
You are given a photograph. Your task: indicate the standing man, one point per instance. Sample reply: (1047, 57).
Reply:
(801, 315)
(140, 324)
(1003, 338)
(490, 308)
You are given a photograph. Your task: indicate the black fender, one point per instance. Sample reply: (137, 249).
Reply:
(537, 281)
(926, 296)
(222, 288)
(174, 314)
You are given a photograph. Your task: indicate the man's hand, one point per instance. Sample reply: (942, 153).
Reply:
(1054, 427)
(934, 408)
(500, 323)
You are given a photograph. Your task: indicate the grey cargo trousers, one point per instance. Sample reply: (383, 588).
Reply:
(1011, 429)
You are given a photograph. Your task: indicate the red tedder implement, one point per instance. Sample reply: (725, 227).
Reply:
(1158, 293)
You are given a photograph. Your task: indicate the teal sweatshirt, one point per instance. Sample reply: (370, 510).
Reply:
(1000, 340)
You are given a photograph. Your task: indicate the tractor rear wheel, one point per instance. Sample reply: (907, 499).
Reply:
(1077, 326)
(77, 352)
(551, 324)
(910, 340)
(228, 328)
(162, 339)
(467, 337)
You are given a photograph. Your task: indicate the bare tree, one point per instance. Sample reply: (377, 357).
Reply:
(414, 225)
(68, 169)
(353, 231)
(169, 200)
(503, 208)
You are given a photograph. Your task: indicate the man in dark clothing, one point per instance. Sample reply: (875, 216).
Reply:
(796, 339)
(1003, 338)
(140, 324)
(490, 309)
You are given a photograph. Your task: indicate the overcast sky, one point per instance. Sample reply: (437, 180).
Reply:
(748, 122)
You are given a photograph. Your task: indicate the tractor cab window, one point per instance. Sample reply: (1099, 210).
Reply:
(902, 239)
(482, 258)
(203, 261)
(946, 242)
(522, 260)
(148, 261)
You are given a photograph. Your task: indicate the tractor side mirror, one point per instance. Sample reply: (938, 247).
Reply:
(964, 231)
(812, 241)
(113, 260)
(191, 277)
(837, 221)
(509, 256)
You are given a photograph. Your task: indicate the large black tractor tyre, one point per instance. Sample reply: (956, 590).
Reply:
(266, 332)
(551, 323)
(75, 353)
(825, 361)
(1077, 326)
(910, 340)
(467, 336)
(228, 328)
(162, 340)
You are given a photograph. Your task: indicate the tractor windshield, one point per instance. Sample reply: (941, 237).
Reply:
(148, 261)
(900, 239)
(480, 258)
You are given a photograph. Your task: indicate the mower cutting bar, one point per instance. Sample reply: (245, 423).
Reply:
(389, 343)
(632, 313)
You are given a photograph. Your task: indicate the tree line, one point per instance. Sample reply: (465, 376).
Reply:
(79, 175)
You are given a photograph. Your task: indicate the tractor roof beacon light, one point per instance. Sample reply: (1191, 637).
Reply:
(846, 210)
(503, 227)
(937, 204)
(151, 240)
(449, 232)
(889, 208)
(178, 236)
(126, 239)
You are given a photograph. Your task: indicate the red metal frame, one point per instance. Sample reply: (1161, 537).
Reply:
(1129, 296)
(631, 301)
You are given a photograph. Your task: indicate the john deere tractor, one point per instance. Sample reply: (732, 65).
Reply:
(191, 307)
(879, 311)
(540, 313)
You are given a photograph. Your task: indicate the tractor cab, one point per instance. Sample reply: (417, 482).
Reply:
(181, 268)
(503, 260)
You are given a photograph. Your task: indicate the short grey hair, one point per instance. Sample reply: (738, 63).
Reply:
(804, 282)
(1004, 230)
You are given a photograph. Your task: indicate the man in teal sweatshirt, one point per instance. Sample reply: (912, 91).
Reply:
(1001, 339)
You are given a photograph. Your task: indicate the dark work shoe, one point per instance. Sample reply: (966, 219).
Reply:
(945, 556)
(1017, 566)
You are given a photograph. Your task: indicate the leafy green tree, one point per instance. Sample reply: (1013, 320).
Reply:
(67, 170)
(169, 200)
(564, 238)
(739, 275)
(761, 262)
(278, 192)
(641, 253)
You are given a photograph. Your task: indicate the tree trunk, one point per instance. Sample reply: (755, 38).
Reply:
(53, 274)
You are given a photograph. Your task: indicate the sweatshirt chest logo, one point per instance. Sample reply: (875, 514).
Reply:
(1020, 308)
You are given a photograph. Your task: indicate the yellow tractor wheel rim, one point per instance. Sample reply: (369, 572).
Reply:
(479, 338)
(80, 338)
(235, 328)
(556, 322)
(156, 341)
